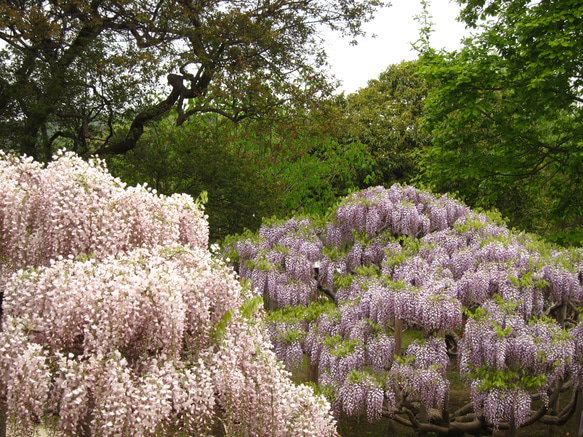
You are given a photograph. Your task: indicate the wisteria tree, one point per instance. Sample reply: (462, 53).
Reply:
(118, 321)
(497, 307)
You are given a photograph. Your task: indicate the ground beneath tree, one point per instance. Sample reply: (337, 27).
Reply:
(353, 428)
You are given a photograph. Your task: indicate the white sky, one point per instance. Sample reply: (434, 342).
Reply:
(396, 29)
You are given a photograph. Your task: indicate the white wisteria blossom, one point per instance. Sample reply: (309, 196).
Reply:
(118, 321)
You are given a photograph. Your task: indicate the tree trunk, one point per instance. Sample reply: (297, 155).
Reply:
(422, 419)
(391, 429)
(562, 314)
(313, 372)
(398, 336)
(3, 417)
(579, 410)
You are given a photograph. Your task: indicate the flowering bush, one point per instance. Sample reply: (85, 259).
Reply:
(117, 320)
(501, 306)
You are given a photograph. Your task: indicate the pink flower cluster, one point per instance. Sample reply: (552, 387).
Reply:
(74, 207)
(117, 320)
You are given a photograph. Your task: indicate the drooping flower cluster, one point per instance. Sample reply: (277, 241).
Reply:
(76, 207)
(421, 375)
(399, 210)
(126, 325)
(505, 405)
(287, 333)
(362, 394)
(564, 285)
(281, 263)
(576, 363)
(403, 257)
(500, 346)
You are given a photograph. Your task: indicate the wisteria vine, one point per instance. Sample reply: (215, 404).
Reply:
(498, 306)
(118, 321)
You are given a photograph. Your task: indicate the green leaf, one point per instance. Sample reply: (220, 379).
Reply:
(219, 328)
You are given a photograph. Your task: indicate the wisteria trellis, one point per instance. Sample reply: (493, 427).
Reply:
(504, 304)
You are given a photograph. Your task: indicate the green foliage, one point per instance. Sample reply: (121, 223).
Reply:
(340, 347)
(528, 279)
(333, 253)
(271, 167)
(250, 306)
(409, 247)
(478, 314)
(247, 309)
(509, 306)
(376, 327)
(506, 378)
(343, 280)
(505, 115)
(313, 169)
(314, 181)
(357, 377)
(328, 391)
(385, 116)
(293, 320)
(219, 327)
(501, 332)
(261, 264)
(195, 159)
(405, 359)
(301, 313)
(92, 75)
(369, 271)
(294, 335)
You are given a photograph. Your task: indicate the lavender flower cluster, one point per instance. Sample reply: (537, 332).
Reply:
(500, 341)
(506, 405)
(361, 395)
(398, 210)
(282, 262)
(421, 376)
(404, 255)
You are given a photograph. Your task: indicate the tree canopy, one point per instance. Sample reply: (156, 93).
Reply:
(386, 116)
(506, 114)
(94, 73)
(258, 167)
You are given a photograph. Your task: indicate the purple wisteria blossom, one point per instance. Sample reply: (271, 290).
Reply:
(398, 259)
(281, 262)
(422, 374)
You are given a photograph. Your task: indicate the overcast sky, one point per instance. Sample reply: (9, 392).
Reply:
(396, 29)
